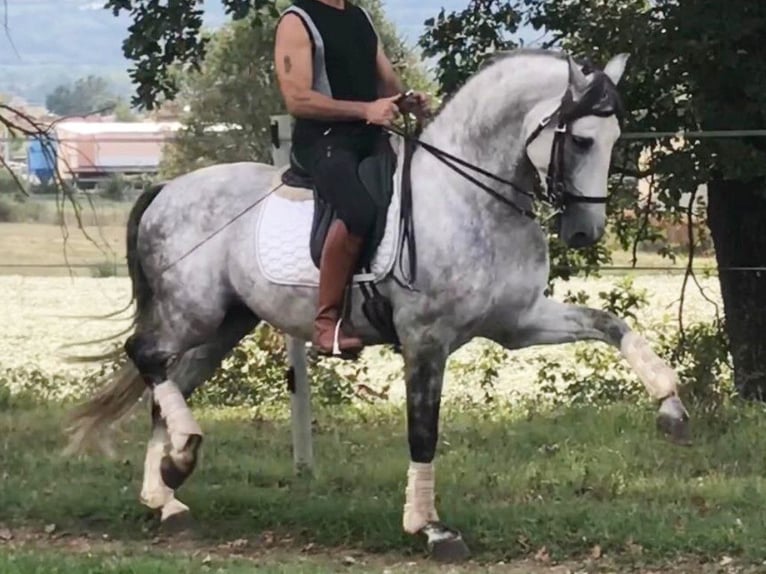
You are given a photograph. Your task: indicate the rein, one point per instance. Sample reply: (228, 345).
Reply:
(447, 159)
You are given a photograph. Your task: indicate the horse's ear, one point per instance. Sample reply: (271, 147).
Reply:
(616, 67)
(577, 79)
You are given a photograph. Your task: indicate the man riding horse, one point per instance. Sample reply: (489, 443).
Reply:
(340, 87)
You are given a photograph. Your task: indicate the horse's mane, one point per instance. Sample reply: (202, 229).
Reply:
(496, 58)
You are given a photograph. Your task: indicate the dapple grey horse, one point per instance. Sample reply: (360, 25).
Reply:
(482, 268)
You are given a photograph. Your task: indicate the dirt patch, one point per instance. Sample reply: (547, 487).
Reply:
(267, 548)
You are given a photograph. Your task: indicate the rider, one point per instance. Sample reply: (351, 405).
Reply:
(340, 87)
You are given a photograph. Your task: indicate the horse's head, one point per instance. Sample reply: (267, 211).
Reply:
(571, 149)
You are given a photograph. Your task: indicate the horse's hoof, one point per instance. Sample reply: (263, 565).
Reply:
(673, 421)
(446, 545)
(177, 524)
(177, 467)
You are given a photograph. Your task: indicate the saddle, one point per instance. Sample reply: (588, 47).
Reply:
(376, 173)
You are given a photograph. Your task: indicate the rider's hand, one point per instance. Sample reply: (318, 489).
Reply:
(417, 103)
(382, 112)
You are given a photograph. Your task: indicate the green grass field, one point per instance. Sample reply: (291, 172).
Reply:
(533, 491)
(556, 485)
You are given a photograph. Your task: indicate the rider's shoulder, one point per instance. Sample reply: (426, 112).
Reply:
(291, 25)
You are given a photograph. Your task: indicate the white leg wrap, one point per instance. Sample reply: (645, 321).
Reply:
(178, 417)
(419, 508)
(154, 493)
(659, 379)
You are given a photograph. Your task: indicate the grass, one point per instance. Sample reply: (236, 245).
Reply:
(512, 482)
(45, 209)
(41, 249)
(137, 560)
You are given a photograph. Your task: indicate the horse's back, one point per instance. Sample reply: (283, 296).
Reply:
(196, 211)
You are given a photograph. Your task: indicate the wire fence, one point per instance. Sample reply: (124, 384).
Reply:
(603, 269)
(92, 141)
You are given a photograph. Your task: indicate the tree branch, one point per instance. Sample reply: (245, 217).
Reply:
(28, 126)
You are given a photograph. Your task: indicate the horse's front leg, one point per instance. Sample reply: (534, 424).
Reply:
(424, 375)
(550, 322)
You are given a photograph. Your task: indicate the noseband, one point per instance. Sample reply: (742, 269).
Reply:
(600, 99)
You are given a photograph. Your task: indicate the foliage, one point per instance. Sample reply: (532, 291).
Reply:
(600, 376)
(229, 100)
(104, 269)
(255, 375)
(17, 208)
(85, 96)
(8, 183)
(463, 39)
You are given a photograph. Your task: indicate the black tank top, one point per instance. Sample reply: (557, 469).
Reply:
(350, 45)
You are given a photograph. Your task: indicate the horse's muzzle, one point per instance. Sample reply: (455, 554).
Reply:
(581, 226)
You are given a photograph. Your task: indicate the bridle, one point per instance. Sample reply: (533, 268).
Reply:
(599, 99)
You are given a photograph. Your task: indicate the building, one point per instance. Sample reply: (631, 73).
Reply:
(91, 151)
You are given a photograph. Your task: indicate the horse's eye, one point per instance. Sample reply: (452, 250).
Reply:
(582, 142)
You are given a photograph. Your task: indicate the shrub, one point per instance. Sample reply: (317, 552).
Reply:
(115, 188)
(8, 210)
(104, 269)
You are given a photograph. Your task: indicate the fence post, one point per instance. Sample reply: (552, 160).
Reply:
(297, 376)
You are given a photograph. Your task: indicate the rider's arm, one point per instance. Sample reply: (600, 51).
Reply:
(389, 83)
(293, 61)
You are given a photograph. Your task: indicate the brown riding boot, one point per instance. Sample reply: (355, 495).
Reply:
(336, 269)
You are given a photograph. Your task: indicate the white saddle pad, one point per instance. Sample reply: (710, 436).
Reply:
(283, 231)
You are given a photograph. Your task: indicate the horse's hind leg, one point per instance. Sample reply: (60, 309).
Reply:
(154, 355)
(550, 322)
(195, 367)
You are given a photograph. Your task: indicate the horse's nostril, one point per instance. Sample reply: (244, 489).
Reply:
(579, 239)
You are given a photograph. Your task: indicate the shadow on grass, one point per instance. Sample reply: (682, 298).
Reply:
(512, 483)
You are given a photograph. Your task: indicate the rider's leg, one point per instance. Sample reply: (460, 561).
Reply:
(337, 181)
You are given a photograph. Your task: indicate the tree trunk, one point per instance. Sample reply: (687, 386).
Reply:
(737, 220)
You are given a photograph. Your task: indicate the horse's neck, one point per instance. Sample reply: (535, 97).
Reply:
(483, 123)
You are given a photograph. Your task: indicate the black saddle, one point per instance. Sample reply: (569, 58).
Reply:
(376, 173)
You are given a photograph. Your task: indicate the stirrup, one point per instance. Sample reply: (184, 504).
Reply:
(336, 352)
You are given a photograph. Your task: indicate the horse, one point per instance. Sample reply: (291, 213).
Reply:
(533, 126)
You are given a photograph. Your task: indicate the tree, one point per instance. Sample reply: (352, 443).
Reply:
(695, 65)
(232, 93)
(463, 39)
(86, 96)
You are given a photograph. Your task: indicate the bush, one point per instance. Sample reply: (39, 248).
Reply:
(255, 374)
(104, 269)
(601, 376)
(115, 188)
(9, 211)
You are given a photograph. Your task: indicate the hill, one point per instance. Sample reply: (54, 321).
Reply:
(49, 42)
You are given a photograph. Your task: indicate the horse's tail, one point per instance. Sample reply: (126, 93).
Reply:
(142, 292)
(122, 389)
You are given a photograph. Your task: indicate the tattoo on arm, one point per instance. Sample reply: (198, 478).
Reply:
(288, 64)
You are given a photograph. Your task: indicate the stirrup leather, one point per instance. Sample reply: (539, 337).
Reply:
(336, 339)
